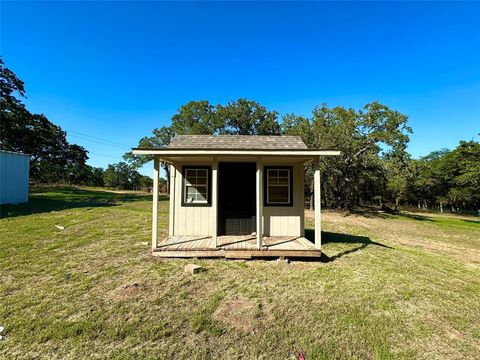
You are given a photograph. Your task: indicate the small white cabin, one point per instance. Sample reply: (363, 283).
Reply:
(236, 196)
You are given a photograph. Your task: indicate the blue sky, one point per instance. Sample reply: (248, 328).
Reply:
(116, 71)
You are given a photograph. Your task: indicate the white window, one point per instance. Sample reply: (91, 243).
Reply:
(195, 189)
(278, 186)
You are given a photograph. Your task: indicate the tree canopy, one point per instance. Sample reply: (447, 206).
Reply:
(241, 117)
(53, 158)
(360, 135)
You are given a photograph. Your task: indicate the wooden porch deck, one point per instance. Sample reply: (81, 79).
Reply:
(236, 247)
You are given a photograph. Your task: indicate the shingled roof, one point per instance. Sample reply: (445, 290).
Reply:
(238, 142)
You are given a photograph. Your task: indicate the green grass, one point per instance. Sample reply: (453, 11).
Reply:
(388, 287)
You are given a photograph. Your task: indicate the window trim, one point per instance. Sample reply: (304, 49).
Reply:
(265, 185)
(209, 185)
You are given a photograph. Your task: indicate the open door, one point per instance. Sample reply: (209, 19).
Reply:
(236, 198)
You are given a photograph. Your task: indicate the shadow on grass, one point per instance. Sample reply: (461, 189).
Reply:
(329, 237)
(374, 212)
(44, 200)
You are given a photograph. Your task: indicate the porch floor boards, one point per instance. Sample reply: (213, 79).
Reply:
(235, 247)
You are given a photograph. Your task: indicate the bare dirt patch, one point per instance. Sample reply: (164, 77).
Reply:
(127, 292)
(238, 313)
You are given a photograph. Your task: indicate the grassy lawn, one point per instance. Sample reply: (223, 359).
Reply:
(388, 287)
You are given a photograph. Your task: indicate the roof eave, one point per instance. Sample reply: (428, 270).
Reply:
(246, 152)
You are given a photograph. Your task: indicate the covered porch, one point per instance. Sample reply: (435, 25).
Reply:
(235, 247)
(272, 230)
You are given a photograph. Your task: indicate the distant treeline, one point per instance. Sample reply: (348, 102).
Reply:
(374, 167)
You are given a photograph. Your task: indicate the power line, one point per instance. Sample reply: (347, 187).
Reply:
(97, 138)
(99, 142)
(71, 110)
(104, 155)
(87, 136)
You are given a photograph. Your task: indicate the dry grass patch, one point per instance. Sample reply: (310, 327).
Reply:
(127, 292)
(237, 313)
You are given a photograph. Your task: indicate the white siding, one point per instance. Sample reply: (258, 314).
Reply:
(14, 177)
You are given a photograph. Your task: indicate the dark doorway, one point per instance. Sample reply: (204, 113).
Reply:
(236, 198)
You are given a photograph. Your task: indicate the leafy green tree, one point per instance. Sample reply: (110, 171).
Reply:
(360, 135)
(243, 117)
(467, 158)
(448, 177)
(86, 175)
(160, 138)
(10, 88)
(52, 157)
(121, 176)
(145, 181)
(196, 118)
(247, 117)
(398, 175)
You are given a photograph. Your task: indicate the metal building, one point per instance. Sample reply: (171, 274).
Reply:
(14, 176)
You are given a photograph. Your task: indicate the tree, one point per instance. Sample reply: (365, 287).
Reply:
(10, 87)
(360, 135)
(296, 125)
(467, 158)
(161, 137)
(398, 175)
(243, 117)
(86, 175)
(448, 177)
(145, 181)
(121, 176)
(247, 117)
(196, 118)
(52, 157)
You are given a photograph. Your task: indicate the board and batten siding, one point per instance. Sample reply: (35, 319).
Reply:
(190, 220)
(14, 176)
(278, 220)
(287, 220)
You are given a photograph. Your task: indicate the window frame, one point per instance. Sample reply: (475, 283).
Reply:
(266, 185)
(209, 186)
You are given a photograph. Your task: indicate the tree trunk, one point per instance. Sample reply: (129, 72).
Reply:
(166, 167)
(441, 208)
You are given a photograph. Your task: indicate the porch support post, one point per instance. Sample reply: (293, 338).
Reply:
(214, 200)
(259, 203)
(156, 168)
(317, 203)
(171, 216)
